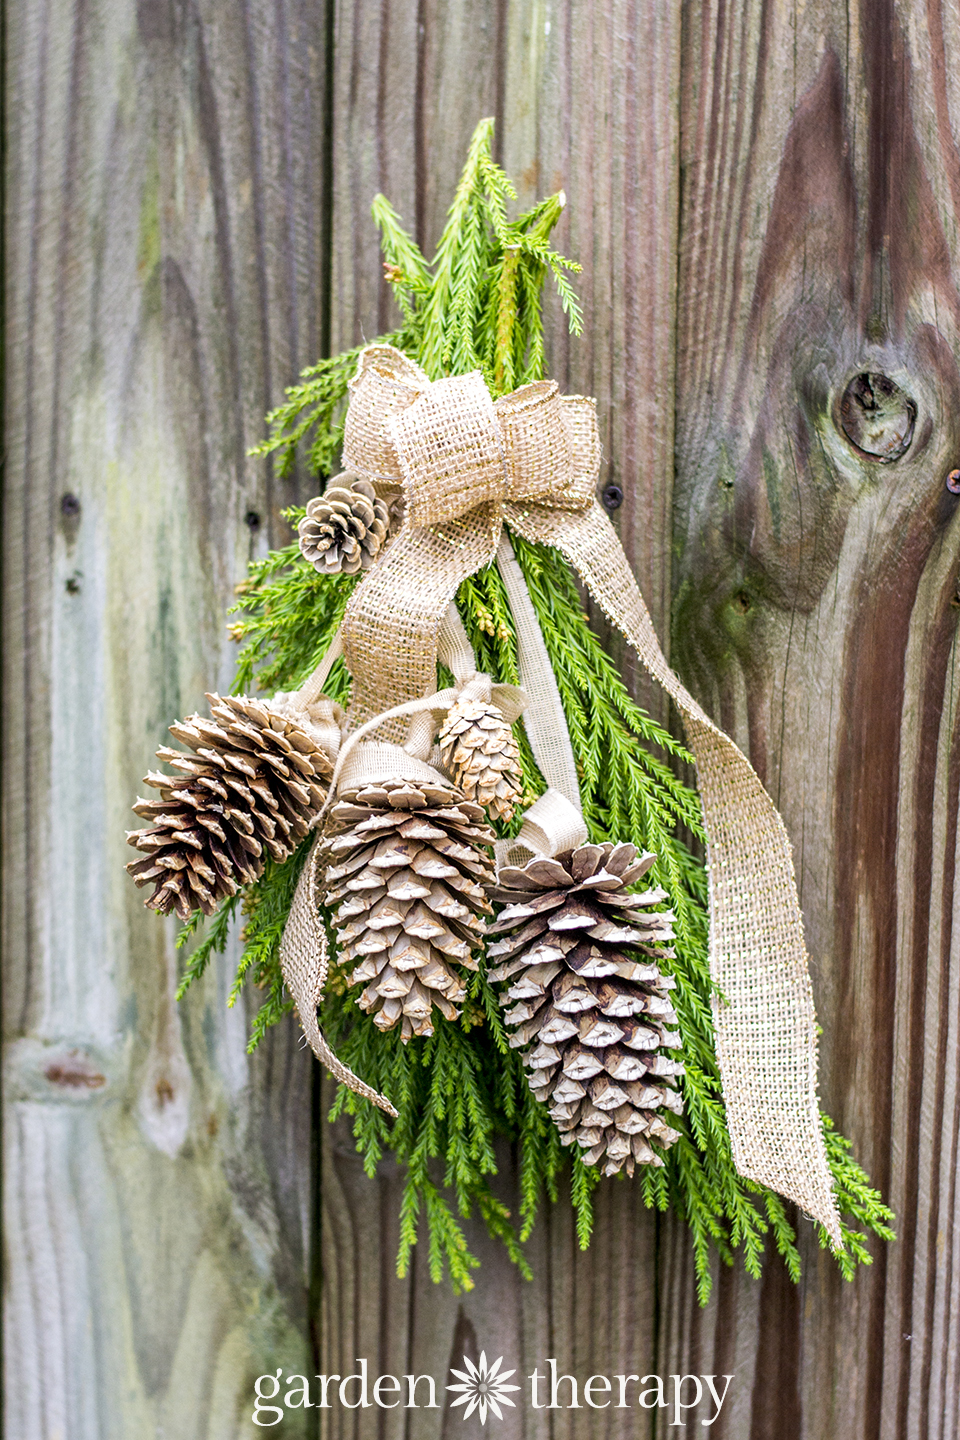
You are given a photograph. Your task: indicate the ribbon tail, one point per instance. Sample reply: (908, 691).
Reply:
(446, 446)
(304, 960)
(765, 1022)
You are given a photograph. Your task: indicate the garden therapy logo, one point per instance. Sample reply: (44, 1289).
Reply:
(482, 1387)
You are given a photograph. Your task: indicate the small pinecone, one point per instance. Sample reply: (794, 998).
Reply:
(480, 754)
(589, 1001)
(344, 528)
(407, 866)
(250, 789)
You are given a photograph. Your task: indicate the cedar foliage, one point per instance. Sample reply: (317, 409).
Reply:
(477, 306)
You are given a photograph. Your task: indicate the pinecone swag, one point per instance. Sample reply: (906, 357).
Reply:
(407, 866)
(344, 528)
(588, 1000)
(479, 752)
(250, 789)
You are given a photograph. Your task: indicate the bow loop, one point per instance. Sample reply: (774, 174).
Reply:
(551, 447)
(385, 384)
(452, 449)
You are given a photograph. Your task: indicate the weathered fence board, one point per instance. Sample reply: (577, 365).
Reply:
(817, 615)
(163, 212)
(765, 201)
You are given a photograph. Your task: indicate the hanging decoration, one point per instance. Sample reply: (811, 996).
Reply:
(590, 1008)
(252, 789)
(494, 965)
(407, 864)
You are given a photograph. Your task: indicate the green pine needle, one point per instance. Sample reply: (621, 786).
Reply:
(477, 304)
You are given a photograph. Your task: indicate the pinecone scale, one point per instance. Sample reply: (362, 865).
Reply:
(579, 957)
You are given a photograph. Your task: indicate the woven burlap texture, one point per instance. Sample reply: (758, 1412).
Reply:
(531, 460)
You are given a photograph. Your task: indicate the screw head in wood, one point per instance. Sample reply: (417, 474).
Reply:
(69, 504)
(953, 482)
(612, 497)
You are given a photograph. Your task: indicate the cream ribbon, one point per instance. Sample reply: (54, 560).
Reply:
(467, 466)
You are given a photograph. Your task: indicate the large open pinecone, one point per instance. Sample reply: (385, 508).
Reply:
(344, 528)
(250, 789)
(588, 1000)
(407, 863)
(479, 751)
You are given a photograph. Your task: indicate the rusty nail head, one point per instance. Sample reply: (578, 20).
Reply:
(953, 482)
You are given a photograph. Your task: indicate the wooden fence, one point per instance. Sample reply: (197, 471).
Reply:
(766, 200)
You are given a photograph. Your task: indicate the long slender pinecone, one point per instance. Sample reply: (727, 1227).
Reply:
(250, 789)
(344, 528)
(588, 1000)
(479, 751)
(407, 866)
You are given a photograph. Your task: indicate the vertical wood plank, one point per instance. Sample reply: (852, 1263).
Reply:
(586, 100)
(816, 615)
(162, 220)
(592, 107)
(409, 82)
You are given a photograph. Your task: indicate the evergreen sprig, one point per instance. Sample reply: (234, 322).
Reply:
(477, 305)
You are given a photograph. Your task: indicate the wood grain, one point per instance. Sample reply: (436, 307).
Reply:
(817, 616)
(163, 216)
(796, 267)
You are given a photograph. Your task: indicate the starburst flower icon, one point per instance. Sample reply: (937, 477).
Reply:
(483, 1387)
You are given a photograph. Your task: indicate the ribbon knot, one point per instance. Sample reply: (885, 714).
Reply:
(452, 449)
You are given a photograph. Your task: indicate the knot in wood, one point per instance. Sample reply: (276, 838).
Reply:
(877, 417)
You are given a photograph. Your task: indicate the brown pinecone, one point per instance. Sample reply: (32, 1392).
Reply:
(344, 528)
(407, 866)
(482, 757)
(588, 1000)
(251, 788)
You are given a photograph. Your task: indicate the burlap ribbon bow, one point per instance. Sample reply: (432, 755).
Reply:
(468, 465)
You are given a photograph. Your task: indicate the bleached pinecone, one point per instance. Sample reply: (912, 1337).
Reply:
(344, 528)
(482, 757)
(250, 789)
(588, 1001)
(407, 866)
